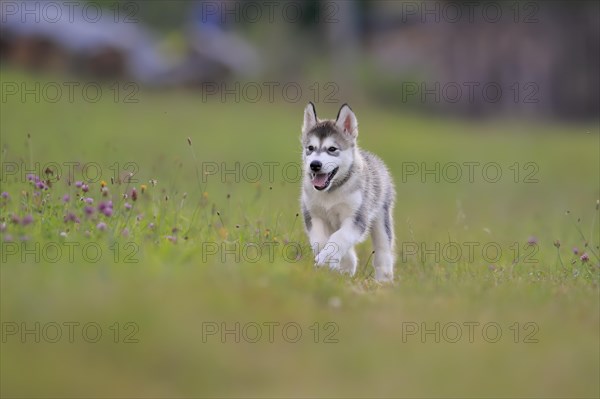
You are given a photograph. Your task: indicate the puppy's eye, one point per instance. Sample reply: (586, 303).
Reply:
(332, 149)
(310, 148)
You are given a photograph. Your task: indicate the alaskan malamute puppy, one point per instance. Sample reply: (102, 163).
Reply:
(347, 193)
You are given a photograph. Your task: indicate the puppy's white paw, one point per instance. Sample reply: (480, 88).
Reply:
(326, 258)
(321, 258)
(384, 276)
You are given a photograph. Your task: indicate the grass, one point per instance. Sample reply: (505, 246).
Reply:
(168, 264)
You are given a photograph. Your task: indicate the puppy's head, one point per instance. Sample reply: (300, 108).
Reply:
(328, 146)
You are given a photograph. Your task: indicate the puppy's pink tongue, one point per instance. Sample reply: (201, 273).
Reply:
(320, 179)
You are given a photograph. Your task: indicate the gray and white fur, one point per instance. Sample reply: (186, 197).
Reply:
(347, 193)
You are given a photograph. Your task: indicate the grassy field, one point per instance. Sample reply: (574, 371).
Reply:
(147, 297)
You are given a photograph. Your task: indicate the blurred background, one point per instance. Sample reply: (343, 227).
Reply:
(475, 59)
(510, 83)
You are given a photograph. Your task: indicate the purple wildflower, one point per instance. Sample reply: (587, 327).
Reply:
(15, 219)
(532, 240)
(575, 250)
(27, 219)
(101, 226)
(8, 238)
(5, 195)
(106, 208)
(88, 200)
(134, 194)
(89, 211)
(66, 198)
(71, 217)
(40, 185)
(78, 184)
(584, 257)
(85, 188)
(127, 206)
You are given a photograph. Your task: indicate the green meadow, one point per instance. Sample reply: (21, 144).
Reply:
(157, 252)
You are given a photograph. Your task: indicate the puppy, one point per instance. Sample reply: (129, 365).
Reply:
(347, 193)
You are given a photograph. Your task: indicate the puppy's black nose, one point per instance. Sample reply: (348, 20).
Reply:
(315, 166)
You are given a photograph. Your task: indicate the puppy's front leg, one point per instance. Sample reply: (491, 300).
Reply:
(340, 243)
(318, 234)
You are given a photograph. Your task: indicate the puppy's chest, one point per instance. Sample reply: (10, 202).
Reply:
(334, 209)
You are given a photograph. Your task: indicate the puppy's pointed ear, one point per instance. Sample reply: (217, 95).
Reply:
(346, 121)
(310, 117)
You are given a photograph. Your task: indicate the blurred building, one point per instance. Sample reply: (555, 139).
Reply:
(66, 37)
(544, 56)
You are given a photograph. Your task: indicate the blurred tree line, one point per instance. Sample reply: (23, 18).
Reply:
(542, 57)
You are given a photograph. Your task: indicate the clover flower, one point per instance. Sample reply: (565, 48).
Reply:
(71, 217)
(106, 208)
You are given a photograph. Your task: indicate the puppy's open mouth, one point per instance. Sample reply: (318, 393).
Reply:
(321, 181)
